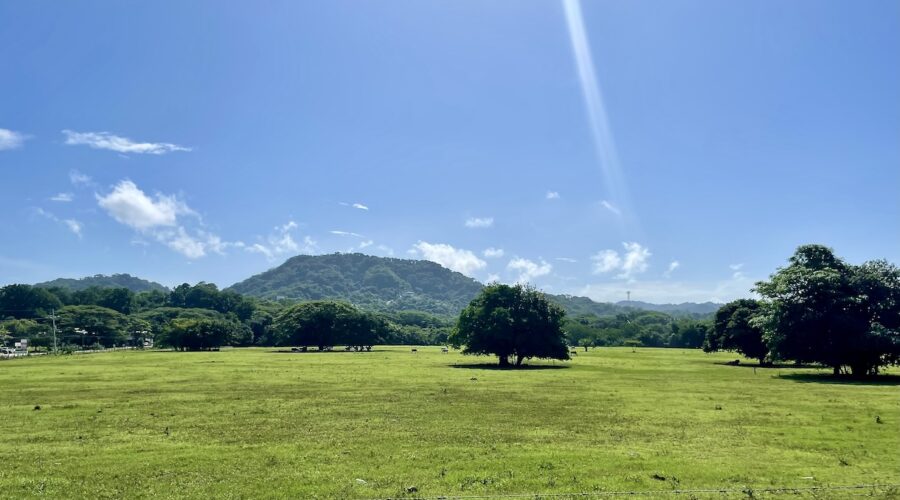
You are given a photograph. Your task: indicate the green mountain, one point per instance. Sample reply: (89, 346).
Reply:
(375, 283)
(128, 281)
(690, 308)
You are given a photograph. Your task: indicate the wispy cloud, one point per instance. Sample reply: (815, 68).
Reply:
(552, 195)
(479, 222)
(10, 139)
(566, 259)
(79, 179)
(737, 274)
(456, 259)
(111, 142)
(528, 270)
(492, 253)
(71, 224)
(612, 208)
(346, 233)
(630, 263)
(358, 206)
(672, 267)
(281, 242)
(62, 197)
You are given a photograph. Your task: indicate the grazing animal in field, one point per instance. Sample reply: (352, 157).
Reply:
(445, 350)
(573, 353)
(413, 350)
(733, 363)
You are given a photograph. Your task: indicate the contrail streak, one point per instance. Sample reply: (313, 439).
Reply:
(600, 129)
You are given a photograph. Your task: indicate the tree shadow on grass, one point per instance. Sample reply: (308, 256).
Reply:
(773, 365)
(494, 366)
(827, 378)
(315, 351)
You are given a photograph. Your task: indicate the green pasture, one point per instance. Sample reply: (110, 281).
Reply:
(257, 423)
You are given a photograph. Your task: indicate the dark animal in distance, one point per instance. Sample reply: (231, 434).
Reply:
(733, 363)
(413, 350)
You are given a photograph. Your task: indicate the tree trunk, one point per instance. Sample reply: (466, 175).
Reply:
(519, 360)
(837, 370)
(504, 361)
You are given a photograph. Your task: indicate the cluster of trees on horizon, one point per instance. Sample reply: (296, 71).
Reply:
(818, 309)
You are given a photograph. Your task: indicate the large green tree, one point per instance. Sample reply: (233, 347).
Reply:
(199, 334)
(734, 329)
(93, 324)
(820, 309)
(515, 322)
(326, 323)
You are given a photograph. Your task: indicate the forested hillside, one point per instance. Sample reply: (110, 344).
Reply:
(128, 281)
(373, 283)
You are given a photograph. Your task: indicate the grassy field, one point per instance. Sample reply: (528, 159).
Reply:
(257, 423)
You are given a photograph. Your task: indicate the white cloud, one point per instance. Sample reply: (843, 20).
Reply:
(492, 253)
(456, 259)
(737, 274)
(79, 179)
(62, 197)
(552, 195)
(606, 261)
(528, 270)
(633, 261)
(566, 259)
(364, 244)
(385, 250)
(479, 222)
(72, 224)
(108, 141)
(612, 208)
(129, 205)
(672, 267)
(357, 205)
(493, 278)
(281, 242)
(10, 139)
(158, 217)
(346, 233)
(185, 244)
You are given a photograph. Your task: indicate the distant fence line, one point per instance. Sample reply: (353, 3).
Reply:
(748, 491)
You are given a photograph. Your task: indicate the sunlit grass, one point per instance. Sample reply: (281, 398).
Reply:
(257, 423)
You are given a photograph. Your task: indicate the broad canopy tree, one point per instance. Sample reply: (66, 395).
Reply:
(821, 309)
(734, 329)
(328, 323)
(511, 322)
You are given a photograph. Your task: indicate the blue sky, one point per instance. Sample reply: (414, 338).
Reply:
(680, 150)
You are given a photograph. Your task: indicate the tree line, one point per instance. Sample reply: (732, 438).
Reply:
(817, 309)
(191, 317)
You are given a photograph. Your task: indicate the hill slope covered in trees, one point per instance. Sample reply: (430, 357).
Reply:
(128, 281)
(375, 283)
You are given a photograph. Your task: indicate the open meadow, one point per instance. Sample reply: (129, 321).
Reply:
(391, 423)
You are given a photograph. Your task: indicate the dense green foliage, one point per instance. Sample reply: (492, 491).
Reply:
(650, 328)
(128, 281)
(251, 423)
(326, 323)
(735, 329)
(821, 309)
(371, 283)
(511, 322)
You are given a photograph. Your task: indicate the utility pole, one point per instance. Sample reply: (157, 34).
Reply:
(53, 319)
